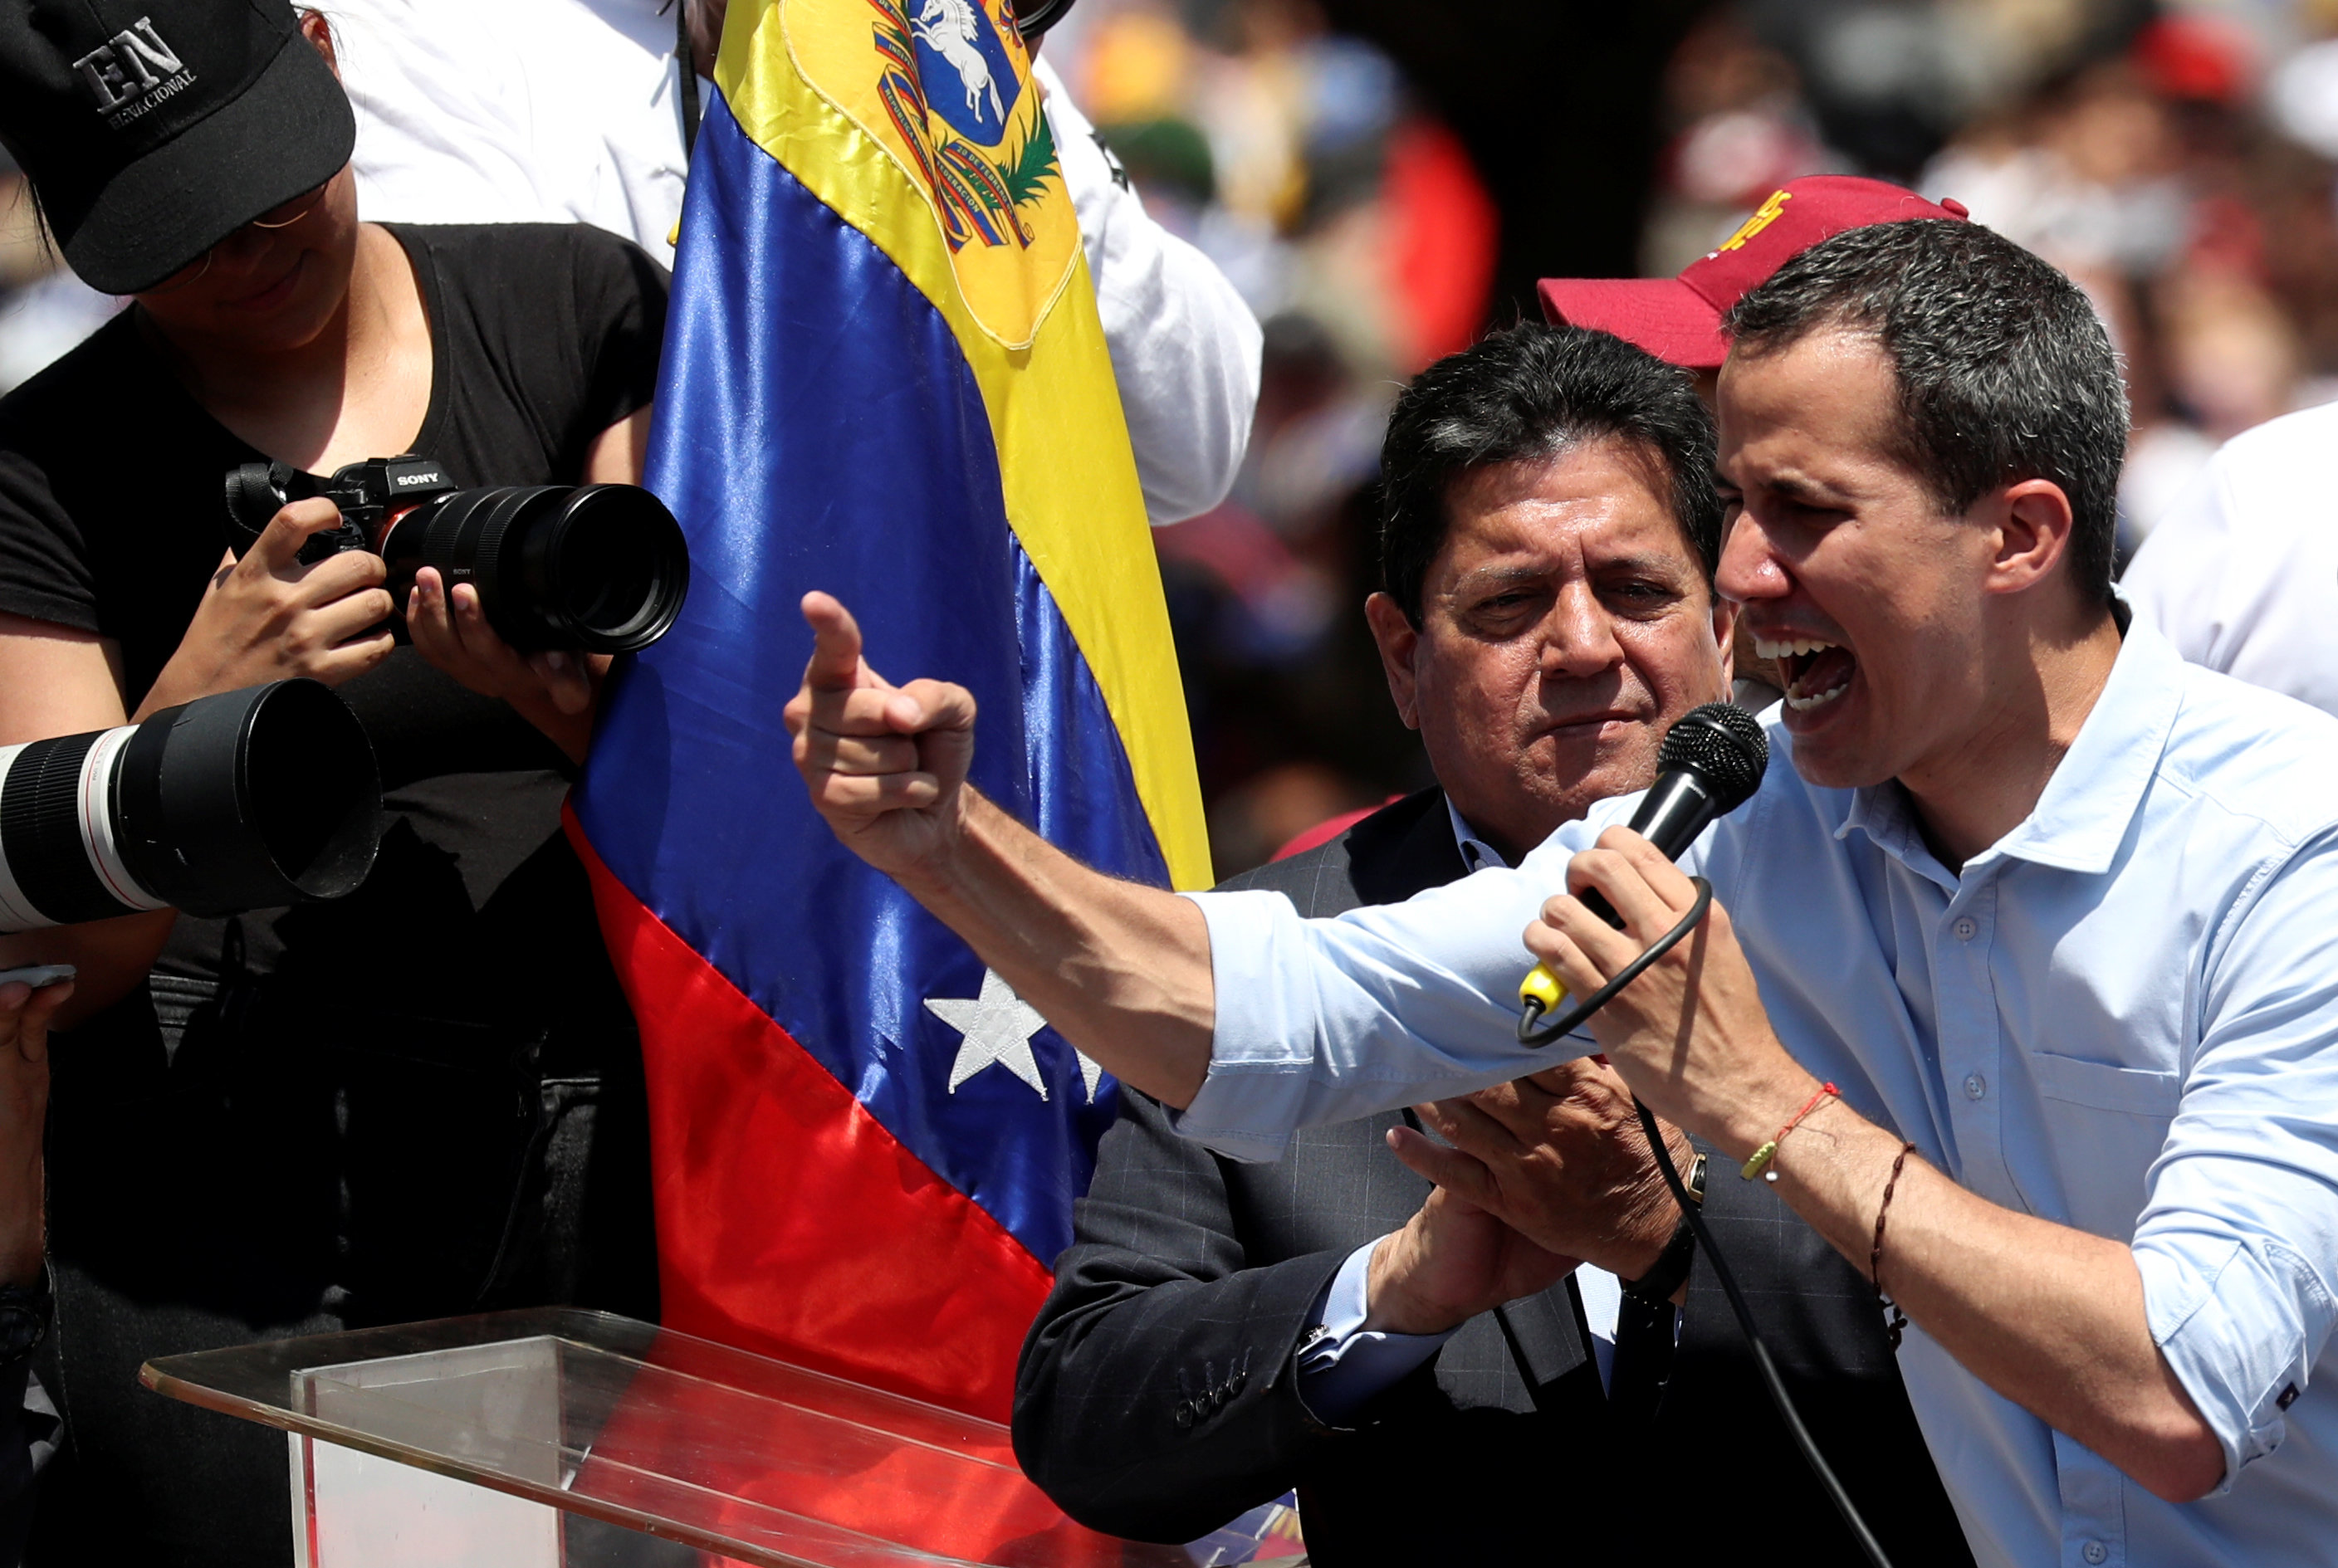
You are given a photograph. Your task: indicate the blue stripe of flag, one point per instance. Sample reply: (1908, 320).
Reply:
(819, 426)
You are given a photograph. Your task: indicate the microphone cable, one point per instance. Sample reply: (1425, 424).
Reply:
(1692, 1211)
(1533, 1031)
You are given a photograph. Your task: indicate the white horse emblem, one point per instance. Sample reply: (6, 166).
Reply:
(948, 28)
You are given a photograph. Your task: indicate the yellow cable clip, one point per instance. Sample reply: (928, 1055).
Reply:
(1543, 987)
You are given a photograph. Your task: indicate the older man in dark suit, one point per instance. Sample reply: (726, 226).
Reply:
(1222, 1333)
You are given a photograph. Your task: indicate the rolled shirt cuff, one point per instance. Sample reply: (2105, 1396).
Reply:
(2235, 1320)
(1256, 1090)
(1326, 1021)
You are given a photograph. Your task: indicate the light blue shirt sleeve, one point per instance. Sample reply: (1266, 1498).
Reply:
(1342, 1363)
(2238, 1240)
(1325, 1021)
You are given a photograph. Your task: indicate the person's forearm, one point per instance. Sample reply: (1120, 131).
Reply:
(1120, 1316)
(1121, 970)
(2051, 1318)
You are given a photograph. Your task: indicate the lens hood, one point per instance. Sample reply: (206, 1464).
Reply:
(600, 568)
(610, 568)
(249, 799)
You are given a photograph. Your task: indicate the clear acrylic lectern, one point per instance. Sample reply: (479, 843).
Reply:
(556, 1438)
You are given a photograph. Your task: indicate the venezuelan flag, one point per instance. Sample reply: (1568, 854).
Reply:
(884, 376)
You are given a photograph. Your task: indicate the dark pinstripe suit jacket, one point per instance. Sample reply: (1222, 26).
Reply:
(1156, 1396)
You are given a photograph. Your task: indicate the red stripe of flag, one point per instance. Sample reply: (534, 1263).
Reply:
(737, 1106)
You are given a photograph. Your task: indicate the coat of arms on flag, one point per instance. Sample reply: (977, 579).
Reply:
(944, 87)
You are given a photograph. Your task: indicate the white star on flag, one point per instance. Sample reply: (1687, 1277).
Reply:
(997, 1026)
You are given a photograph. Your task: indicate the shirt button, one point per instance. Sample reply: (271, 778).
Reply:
(1965, 928)
(1975, 1087)
(2095, 1552)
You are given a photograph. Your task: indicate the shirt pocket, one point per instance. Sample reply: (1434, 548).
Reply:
(2105, 1125)
(2153, 1092)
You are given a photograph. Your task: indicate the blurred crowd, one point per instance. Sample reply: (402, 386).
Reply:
(1350, 217)
(45, 309)
(2181, 161)
(2179, 165)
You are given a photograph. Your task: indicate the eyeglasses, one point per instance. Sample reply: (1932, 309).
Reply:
(283, 215)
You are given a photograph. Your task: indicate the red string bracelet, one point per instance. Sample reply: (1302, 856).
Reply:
(1768, 1151)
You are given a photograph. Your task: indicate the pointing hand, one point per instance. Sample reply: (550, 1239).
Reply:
(885, 764)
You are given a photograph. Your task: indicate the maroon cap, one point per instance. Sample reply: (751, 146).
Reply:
(1679, 319)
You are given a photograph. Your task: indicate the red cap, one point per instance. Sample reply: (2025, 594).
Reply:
(1679, 319)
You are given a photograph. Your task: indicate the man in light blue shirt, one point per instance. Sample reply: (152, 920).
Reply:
(2052, 910)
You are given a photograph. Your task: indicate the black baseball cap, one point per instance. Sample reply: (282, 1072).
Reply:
(153, 129)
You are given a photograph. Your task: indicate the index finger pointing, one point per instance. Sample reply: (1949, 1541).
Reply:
(836, 664)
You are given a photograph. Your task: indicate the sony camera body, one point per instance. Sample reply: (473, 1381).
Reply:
(598, 568)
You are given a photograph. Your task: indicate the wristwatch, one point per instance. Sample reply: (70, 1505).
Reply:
(25, 1314)
(1665, 1275)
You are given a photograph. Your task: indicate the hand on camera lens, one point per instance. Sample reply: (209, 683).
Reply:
(553, 689)
(269, 617)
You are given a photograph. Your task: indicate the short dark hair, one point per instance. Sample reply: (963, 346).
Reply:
(1527, 392)
(2005, 372)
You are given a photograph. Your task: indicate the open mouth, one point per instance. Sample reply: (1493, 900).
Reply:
(1816, 672)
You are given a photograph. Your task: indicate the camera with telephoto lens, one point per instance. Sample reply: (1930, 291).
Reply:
(597, 568)
(249, 799)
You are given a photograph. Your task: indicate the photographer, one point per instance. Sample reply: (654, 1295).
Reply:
(421, 1100)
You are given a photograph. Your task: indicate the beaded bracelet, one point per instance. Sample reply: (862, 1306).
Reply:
(1896, 1319)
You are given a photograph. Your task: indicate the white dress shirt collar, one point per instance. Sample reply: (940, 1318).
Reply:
(2090, 801)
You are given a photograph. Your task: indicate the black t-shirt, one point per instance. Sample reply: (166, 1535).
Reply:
(111, 512)
(362, 1110)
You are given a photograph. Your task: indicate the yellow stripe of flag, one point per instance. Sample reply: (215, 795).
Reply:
(1024, 312)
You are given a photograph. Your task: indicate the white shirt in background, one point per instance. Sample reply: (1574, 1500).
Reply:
(569, 112)
(2241, 574)
(516, 112)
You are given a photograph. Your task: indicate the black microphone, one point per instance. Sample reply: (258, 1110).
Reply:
(1711, 763)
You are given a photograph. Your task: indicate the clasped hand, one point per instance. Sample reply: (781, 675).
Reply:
(1555, 1167)
(1532, 1176)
